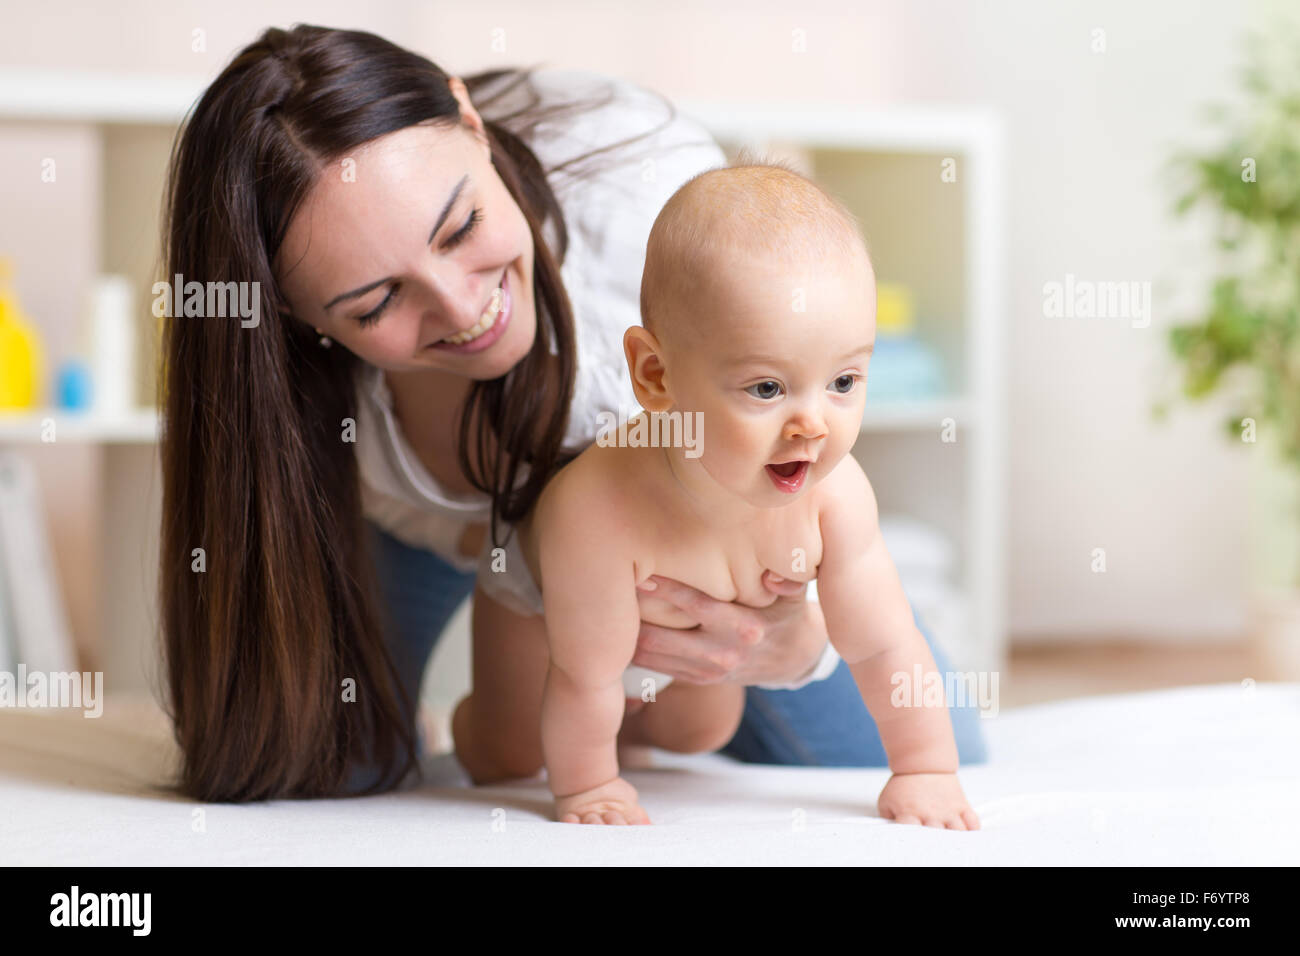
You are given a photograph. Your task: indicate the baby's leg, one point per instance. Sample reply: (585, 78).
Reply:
(497, 728)
(686, 718)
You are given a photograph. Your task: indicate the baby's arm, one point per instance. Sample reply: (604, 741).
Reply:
(870, 624)
(588, 583)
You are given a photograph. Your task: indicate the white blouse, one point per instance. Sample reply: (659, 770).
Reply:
(609, 211)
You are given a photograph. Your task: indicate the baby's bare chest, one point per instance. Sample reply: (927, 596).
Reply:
(728, 563)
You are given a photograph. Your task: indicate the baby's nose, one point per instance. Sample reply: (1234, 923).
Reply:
(805, 426)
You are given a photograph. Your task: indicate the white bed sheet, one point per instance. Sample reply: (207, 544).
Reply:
(1192, 776)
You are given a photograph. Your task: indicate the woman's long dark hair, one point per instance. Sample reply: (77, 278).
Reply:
(279, 680)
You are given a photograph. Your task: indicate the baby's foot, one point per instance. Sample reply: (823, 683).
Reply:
(613, 803)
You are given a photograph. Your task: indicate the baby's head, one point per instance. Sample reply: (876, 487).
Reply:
(758, 310)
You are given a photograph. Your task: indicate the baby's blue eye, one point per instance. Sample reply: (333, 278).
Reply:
(847, 381)
(767, 392)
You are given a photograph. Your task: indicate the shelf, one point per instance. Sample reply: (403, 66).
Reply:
(917, 415)
(886, 128)
(87, 96)
(27, 427)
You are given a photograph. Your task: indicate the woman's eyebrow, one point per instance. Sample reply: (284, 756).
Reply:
(442, 217)
(446, 209)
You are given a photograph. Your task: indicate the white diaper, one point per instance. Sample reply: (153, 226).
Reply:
(638, 680)
(507, 581)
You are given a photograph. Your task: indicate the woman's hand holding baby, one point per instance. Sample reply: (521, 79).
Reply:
(613, 803)
(734, 642)
(931, 799)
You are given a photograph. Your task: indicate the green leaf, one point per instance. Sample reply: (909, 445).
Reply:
(1182, 338)
(1185, 202)
(1233, 425)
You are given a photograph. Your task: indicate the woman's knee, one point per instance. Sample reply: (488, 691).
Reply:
(488, 755)
(703, 724)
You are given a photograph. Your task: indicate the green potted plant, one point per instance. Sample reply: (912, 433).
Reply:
(1246, 342)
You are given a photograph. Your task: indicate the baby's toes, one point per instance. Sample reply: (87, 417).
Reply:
(614, 818)
(954, 823)
(907, 818)
(972, 821)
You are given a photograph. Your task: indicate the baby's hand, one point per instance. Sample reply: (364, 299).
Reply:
(932, 799)
(613, 802)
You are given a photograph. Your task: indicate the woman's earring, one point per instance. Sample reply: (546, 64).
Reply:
(324, 340)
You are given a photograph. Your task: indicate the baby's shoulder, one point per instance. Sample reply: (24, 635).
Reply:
(845, 497)
(598, 484)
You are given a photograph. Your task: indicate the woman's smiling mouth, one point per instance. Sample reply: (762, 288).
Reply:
(490, 326)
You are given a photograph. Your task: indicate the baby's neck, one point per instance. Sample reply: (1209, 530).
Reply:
(708, 501)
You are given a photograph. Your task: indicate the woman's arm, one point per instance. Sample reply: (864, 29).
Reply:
(782, 644)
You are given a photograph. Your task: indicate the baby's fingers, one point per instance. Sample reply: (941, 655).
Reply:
(608, 817)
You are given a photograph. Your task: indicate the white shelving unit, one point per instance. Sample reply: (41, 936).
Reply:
(941, 236)
(137, 428)
(129, 492)
(87, 96)
(958, 487)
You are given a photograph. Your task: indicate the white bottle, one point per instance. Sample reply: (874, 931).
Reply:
(110, 332)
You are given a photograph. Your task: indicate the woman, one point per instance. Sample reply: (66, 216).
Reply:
(348, 462)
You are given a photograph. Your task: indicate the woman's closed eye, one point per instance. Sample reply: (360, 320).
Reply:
(371, 317)
(463, 232)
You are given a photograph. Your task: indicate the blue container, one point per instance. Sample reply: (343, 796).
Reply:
(73, 388)
(904, 369)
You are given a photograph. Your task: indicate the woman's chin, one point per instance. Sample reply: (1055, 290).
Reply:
(495, 361)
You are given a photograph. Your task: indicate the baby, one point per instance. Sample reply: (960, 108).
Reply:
(758, 311)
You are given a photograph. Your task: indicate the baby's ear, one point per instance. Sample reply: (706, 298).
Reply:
(646, 367)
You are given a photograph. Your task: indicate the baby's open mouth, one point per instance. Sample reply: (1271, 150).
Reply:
(788, 476)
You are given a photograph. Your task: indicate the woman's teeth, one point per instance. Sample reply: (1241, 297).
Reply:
(485, 321)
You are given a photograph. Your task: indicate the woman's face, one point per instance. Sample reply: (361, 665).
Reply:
(402, 245)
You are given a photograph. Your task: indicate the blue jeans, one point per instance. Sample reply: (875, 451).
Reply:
(824, 724)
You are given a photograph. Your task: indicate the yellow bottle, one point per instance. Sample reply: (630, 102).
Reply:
(20, 349)
(894, 309)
